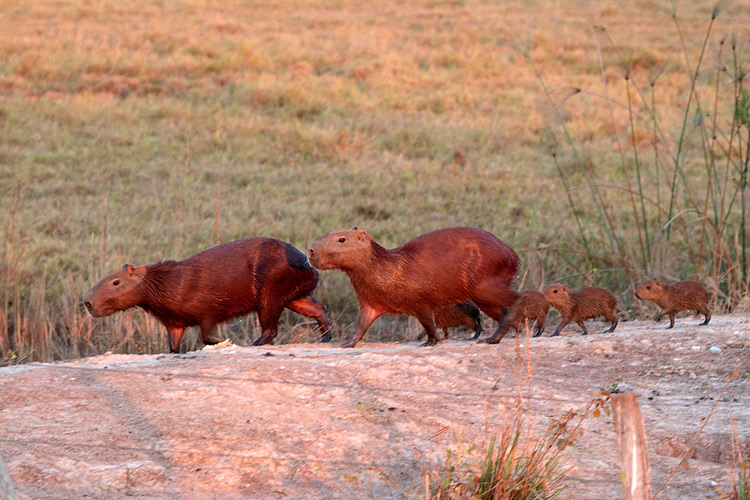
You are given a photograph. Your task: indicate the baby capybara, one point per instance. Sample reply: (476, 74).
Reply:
(587, 303)
(682, 296)
(532, 306)
(463, 314)
(440, 268)
(256, 274)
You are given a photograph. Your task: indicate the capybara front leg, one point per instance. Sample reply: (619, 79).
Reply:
(563, 322)
(671, 320)
(366, 317)
(208, 333)
(175, 338)
(311, 308)
(428, 322)
(583, 327)
(707, 314)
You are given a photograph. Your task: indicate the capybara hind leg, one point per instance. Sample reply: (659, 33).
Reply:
(366, 316)
(311, 308)
(208, 335)
(478, 330)
(175, 338)
(612, 319)
(539, 326)
(268, 317)
(504, 319)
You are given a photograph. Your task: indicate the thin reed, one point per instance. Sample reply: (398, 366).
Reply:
(682, 211)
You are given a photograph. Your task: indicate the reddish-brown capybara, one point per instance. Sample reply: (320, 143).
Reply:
(587, 303)
(255, 274)
(682, 296)
(443, 267)
(463, 314)
(532, 306)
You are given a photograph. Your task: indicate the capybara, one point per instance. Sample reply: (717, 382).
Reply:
(682, 296)
(443, 267)
(532, 306)
(587, 303)
(463, 314)
(255, 274)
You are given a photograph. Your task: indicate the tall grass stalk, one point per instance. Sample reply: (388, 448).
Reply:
(712, 226)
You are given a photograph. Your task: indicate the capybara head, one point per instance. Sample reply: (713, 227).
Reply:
(341, 250)
(557, 295)
(649, 290)
(116, 292)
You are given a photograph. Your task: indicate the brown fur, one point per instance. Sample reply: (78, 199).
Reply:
(440, 268)
(453, 315)
(256, 274)
(682, 296)
(587, 303)
(532, 306)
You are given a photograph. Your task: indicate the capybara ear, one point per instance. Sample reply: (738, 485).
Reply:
(360, 233)
(658, 281)
(565, 286)
(131, 269)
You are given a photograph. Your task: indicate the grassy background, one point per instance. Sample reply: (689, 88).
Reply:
(135, 131)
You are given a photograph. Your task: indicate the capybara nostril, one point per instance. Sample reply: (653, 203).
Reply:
(87, 304)
(311, 251)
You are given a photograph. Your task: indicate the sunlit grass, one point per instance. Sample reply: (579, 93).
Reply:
(121, 122)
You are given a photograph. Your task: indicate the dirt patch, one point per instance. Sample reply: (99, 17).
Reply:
(316, 421)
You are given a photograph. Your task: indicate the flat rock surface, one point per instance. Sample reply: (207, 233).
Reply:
(317, 421)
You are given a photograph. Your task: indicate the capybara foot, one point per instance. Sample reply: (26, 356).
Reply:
(537, 334)
(708, 318)
(584, 333)
(430, 342)
(261, 340)
(475, 336)
(348, 344)
(326, 337)
(490, 340)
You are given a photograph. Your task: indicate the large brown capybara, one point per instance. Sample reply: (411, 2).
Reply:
(587, 303)
(443, 267)
(450, 316)
(532, 306)
(682, 296)
(255, 274)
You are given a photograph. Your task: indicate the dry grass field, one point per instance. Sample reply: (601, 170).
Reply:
(135, 131)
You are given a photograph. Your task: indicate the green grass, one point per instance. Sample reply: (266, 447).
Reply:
(124, 125)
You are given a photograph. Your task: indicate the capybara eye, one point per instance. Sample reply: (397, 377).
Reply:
(115, 282)
(648, 288)
(341, 240)
(554, 291)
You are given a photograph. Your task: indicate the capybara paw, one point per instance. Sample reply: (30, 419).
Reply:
(326, 337)
(429, 343)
